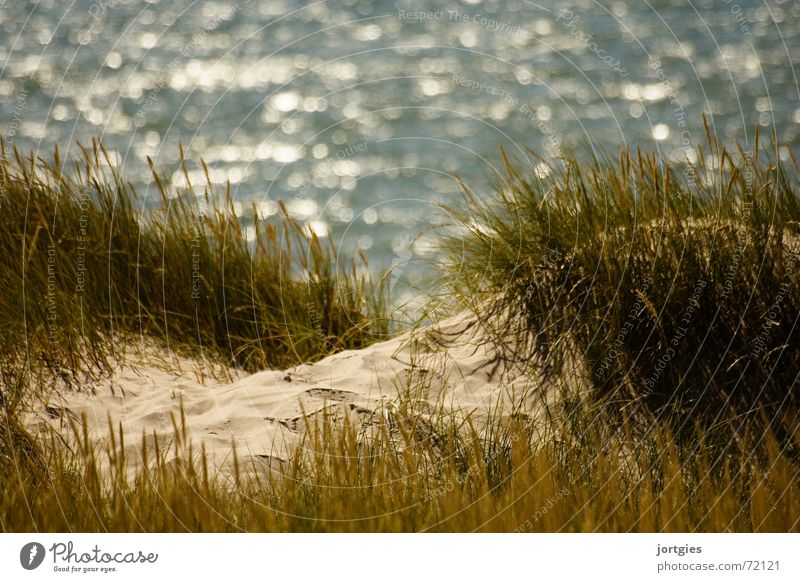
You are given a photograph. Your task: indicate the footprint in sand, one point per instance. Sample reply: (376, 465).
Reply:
(331, 395)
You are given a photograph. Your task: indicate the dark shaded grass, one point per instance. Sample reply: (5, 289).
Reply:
(678, 284)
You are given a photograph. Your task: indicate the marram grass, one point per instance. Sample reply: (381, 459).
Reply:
(677, 285)
(579, 478)
(88, 263)
(618, 261)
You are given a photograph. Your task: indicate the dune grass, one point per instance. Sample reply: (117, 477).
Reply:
(578, 477)
(679, 285)
(612, 263)
(88, 264)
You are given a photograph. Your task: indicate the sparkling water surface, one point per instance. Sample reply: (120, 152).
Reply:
(359, 113)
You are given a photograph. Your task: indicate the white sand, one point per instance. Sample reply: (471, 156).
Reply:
(263, 413)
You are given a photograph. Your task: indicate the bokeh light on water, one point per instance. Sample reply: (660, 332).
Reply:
(358, 113)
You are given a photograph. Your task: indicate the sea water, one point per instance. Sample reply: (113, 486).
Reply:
(360, 114)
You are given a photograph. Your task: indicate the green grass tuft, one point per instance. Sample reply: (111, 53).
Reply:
(88, 265)
(678, 285)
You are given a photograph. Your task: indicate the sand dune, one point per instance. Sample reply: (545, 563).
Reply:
(448, 366)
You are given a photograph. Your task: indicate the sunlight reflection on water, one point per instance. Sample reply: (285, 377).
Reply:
(354, 112)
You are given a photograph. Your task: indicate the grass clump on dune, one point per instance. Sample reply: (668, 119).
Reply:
(679, 285)
(88, 265)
